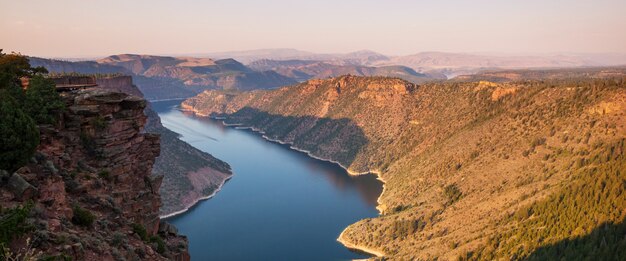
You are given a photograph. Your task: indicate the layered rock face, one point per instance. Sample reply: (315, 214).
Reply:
(96, 160)
(122, 83)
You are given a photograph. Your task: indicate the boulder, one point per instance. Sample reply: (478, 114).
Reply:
(166, 228)
(20, 188)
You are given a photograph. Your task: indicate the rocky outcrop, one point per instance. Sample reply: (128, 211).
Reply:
(20, 187)
(96, 162)
(122, 83)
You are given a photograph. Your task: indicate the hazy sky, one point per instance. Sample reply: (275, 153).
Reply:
(393, 27)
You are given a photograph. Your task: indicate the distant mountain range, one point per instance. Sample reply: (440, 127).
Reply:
(363, 57)
(163, 77)
(167, 77)
(450, 64)
(202, 72)
(302, 70)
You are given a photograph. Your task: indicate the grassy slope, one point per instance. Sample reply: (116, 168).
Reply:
(500, 146)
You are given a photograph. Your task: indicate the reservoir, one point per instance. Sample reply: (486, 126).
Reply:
(279, 205)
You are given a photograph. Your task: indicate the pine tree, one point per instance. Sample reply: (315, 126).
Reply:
(42, 102)
(18, 135)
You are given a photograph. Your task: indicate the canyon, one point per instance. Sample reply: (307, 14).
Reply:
(474, 167)
(462, 160)
(312, 130)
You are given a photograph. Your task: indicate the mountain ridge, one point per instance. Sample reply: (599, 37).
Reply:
(303, 70)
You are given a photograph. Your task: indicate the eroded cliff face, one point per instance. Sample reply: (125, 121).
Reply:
(122, 83)
(96, 160)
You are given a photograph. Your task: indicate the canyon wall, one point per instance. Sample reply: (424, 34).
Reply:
(90, 185)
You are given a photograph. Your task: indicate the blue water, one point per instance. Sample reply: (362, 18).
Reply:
(279, 205)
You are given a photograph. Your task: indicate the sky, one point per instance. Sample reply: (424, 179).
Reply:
(90, 28)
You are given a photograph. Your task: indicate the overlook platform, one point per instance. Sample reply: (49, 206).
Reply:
(72, 83)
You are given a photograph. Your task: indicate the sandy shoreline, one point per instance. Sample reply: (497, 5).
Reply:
(219, 187)
(340, 239)
(171, 99)
(349, 245)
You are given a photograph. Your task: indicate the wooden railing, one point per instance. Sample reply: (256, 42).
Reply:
(72, 83)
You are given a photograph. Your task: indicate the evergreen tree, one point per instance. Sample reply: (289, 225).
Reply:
(18, 135)
(12, 68)
(42, 102)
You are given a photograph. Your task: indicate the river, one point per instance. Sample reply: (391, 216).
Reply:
(279, 205)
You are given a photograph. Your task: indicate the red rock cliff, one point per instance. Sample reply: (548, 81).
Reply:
(98, 160)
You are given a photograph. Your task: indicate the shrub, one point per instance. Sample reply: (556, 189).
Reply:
(12, 68)
(104, 174)
(13, 223)
(99, 123)
(399, 208)
(118, 239)
(42, 102)
(82, 217)
(18, 135)
(452, 194)
(140, 231)
(88, 143)
(160, 244)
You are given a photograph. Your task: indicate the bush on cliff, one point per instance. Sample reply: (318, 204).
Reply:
(140, 231)
(42, 102)
(21, 110)
(18, 135)
(12, 68)
(82, 217)
(13, 223)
